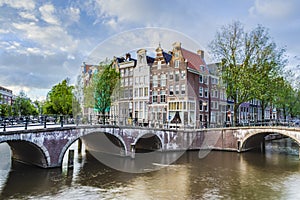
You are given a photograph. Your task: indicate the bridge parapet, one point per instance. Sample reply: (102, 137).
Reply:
(46, 147)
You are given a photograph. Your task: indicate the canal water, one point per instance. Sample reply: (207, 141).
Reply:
(274, 174)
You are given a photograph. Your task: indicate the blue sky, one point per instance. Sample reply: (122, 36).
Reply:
(42, 42)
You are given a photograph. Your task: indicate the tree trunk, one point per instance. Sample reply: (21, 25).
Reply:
(103, 117)
(235, 114)
(262, 113)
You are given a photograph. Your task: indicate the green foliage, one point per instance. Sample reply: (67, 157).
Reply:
(287, 98)
(251, 63)
(5, 110)
(98, 93)
(59, 99)
(23, 106)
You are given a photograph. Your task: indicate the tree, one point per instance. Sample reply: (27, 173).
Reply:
(59, 99)
(287, 99)
(249, 60)
(101, 88)
(5, 110)
(23, 106)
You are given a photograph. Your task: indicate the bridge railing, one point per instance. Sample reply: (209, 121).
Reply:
(46, 121)
(29, 122)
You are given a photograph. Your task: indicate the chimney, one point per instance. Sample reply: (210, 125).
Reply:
(128, 56)
(201, 53)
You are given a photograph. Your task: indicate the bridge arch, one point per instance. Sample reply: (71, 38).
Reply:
(29, 152)
(105, 140)
(64, 150)
(259, 134)
(148, 141)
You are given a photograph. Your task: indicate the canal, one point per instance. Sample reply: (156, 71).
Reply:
(274, 174)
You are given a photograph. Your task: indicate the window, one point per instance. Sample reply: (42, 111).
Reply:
(163, 96)
(177, 89)
(140, 92)
(171, 90)
(183, 75)
(206, 92)
(130, 71)
(159, 64)
(130, 81)
(201, 91)
(136, 92)
(200, 79)
(136, 80)
(182, 89)
(200, 105)
(145, 91)
(155, 81)
(177, 63)
(154, 97)
(177, 76)
(163, 80)
(171, 75)
(205, 79)
(141, 80)
(216, 93)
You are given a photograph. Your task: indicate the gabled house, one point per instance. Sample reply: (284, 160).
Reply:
(141, 88)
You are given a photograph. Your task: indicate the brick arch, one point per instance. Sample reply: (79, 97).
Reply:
(148, 133)
(39, 149)
(64, 149)
(295, 135)
(111, 131)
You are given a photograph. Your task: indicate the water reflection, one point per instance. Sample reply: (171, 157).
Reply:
(218, 175)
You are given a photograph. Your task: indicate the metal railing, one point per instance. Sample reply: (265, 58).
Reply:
(45, 121)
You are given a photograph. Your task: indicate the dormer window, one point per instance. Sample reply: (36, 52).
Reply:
(202, 67)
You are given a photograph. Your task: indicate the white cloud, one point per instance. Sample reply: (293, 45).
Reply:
(19, 4)
(113, 13)
(48, 14)
(52, 38)
(73, 13)
(27, 15)
(273, 8)
(4, 31)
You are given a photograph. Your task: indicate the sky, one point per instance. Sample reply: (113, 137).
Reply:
(42, 42)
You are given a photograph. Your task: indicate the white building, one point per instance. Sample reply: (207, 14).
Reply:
(141, 87)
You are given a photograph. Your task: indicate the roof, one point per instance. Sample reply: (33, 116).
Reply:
(150, 59)
(194, 61)
(167, 57)
(122, 59)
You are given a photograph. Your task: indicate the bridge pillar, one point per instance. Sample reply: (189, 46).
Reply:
(238, 146)
(263, 146)
(79, 146)
(132, 150)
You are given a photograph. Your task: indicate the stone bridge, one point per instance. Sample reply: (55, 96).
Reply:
(47, 147)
